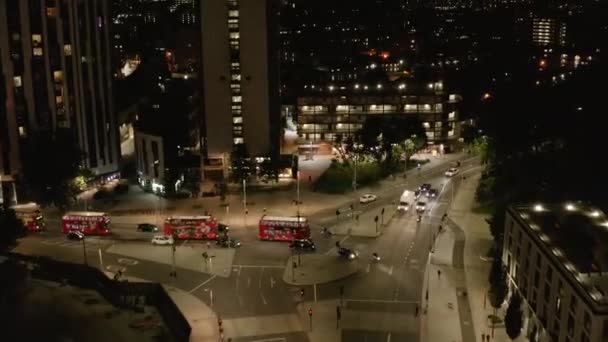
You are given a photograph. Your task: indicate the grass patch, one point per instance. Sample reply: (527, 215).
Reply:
(484, 208)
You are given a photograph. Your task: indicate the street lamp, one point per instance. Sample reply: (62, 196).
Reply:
(298, 193)
(84, 249)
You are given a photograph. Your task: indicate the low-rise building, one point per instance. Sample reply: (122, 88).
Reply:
(323, 111)
(556, 257)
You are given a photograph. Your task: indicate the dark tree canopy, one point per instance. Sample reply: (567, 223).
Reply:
(514, 318)
(11, 228)
(51, 161)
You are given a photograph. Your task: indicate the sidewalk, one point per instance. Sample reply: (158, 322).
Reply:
(456, 298)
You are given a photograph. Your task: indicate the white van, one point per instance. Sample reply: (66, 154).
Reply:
(406, 201)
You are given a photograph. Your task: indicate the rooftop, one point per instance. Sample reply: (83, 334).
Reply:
(576, 235)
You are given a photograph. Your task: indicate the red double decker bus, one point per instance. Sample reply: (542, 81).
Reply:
(192, 227)
(29, 214)
(86, 222)
(283, 228)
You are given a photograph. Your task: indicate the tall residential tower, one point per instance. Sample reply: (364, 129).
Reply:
(240, 80)
(55, 72)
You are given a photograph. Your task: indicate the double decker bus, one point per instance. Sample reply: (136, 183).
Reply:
(29, 214)
(86, 222)
(198, 227)
(283, 228)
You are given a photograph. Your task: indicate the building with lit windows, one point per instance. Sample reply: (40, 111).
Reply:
(240, 81)
(55, 62)
(548, 31)
(323, 111)
(556, 259)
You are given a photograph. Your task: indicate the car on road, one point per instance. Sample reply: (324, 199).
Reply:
(75, 235)
(420, 206)
(424, 188)
(162, 240)
(228, 243)
(432, 193)
(147, 227)
(452, 172)
(303, 245)
(347, 253)
(367, 198)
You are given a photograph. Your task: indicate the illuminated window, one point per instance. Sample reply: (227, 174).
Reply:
(51, 12)
(36, 39)
(426, 125)
(452, 115)
(67, 49)
(37, 51)
(59, 99)
(239, 140)
(233, 14)
(17, 81)
(22, 132)
(237, 99)
(235, 77)
(234, 35)
(237, 120)
(58, 76)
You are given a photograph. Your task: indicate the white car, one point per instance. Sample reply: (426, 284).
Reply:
(162, 240)
(451, 172)
(420, 207)
(367, 198)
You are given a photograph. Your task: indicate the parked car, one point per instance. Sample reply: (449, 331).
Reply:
(367, 198)
(432, 193)
(147, 227)
(346, 253)
(420, 206)
(75, 235)
(451, 172)
(303, 245)
(162, 240)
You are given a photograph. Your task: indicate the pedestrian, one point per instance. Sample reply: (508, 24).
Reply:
(208, 244)
(417, 310)
(483, 337)
(444, 217)
(440, 228)
(310, 179)
(264, 211)
(488, 337)
(438, 274)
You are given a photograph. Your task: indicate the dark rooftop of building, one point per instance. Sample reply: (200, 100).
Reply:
(576, 234)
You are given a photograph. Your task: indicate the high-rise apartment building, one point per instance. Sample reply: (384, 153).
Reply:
(556, 260)
(548, 31)
(55, 63)
(240, 80)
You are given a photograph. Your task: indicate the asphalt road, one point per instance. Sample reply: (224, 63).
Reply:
(254, 286)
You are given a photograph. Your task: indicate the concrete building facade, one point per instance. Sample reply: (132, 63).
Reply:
(240, 80)
(55, 63)
(554, 256)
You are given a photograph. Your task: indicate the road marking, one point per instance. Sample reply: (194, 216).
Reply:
(263, 299)
(381, 301)
(390, 271)
(260, 281)
(388, 338)
(259, 266)
(315, 291)
(203, 283)
(127, 261)
(185, 241)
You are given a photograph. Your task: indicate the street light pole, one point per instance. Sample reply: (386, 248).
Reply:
(84, 250)
(245, 195)
(298, 193)
(355, 175)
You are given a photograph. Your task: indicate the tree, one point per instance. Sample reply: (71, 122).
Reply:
(378, 135)
(11, 228)
(53, 161)
(513, 318)
(270, 168)
(242, 166)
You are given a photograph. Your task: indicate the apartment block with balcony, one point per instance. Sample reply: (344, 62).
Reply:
(327, 110)
(556, 258)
